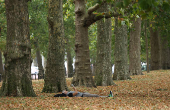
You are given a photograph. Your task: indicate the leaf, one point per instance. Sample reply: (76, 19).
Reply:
(119, 4)
(126, 2)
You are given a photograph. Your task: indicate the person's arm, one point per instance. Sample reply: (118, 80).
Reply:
(76, 92)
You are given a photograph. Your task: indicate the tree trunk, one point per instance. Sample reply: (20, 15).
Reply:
(121, 71)
(17, 81)
(83, 73)
(147, 48)
(39, 61)
(164, 52)
(69, 60)
(55, 72)
(155, 50)
(103, 75)
(135, 48)
(1, 67)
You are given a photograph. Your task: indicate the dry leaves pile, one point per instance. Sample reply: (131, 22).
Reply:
(150, 91)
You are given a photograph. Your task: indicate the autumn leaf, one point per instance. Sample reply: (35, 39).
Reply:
(143, 92)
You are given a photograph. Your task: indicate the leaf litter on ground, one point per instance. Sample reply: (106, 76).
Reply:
(150, 91)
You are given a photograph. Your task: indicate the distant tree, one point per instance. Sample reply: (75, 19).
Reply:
(69, 60)
(17, 78)
(55, 72)
(39, 60)
(39, 31)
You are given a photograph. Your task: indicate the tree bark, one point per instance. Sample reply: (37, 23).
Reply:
(103, 75)
(17, 81)
(135, 48)
(55, 72)
(147, 48)
(155, 50)
(164, 52)
(121, 70)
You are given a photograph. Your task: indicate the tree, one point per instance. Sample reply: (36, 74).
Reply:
(83, 19)
(69, 32)
(69, 60)
(17, 78)
(120, 53)
(54, 76)
(147, 48)
(38, 29)
(135, 48)
(164, 52)
(155, 49)
(39, 60)
(103, 73)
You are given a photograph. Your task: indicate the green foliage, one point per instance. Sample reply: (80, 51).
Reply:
(92, 42)
(69, 25)
(3, 26)
(39, 25)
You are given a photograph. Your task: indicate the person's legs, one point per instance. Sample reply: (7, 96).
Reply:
(90, 95)
(95, 95)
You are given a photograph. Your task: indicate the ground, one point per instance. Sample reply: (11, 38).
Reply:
(150, 91)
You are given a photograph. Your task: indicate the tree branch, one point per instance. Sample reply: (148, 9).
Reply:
(95, 17)
(95, 7)
(92, 18)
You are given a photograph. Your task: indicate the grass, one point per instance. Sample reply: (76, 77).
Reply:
(150, 91)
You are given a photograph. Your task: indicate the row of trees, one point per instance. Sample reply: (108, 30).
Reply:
(132, 19)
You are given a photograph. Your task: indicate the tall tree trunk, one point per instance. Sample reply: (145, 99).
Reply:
(39, 60)
(103, 75)
(135, 48)
(69, 60)
(1, 66)
(83, 73)
(17, 81)
(155, 50)
(164, 52)
(121, 71)
(55, 72)
(147, 48)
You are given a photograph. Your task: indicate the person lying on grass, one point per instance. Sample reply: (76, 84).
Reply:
(75, 93)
